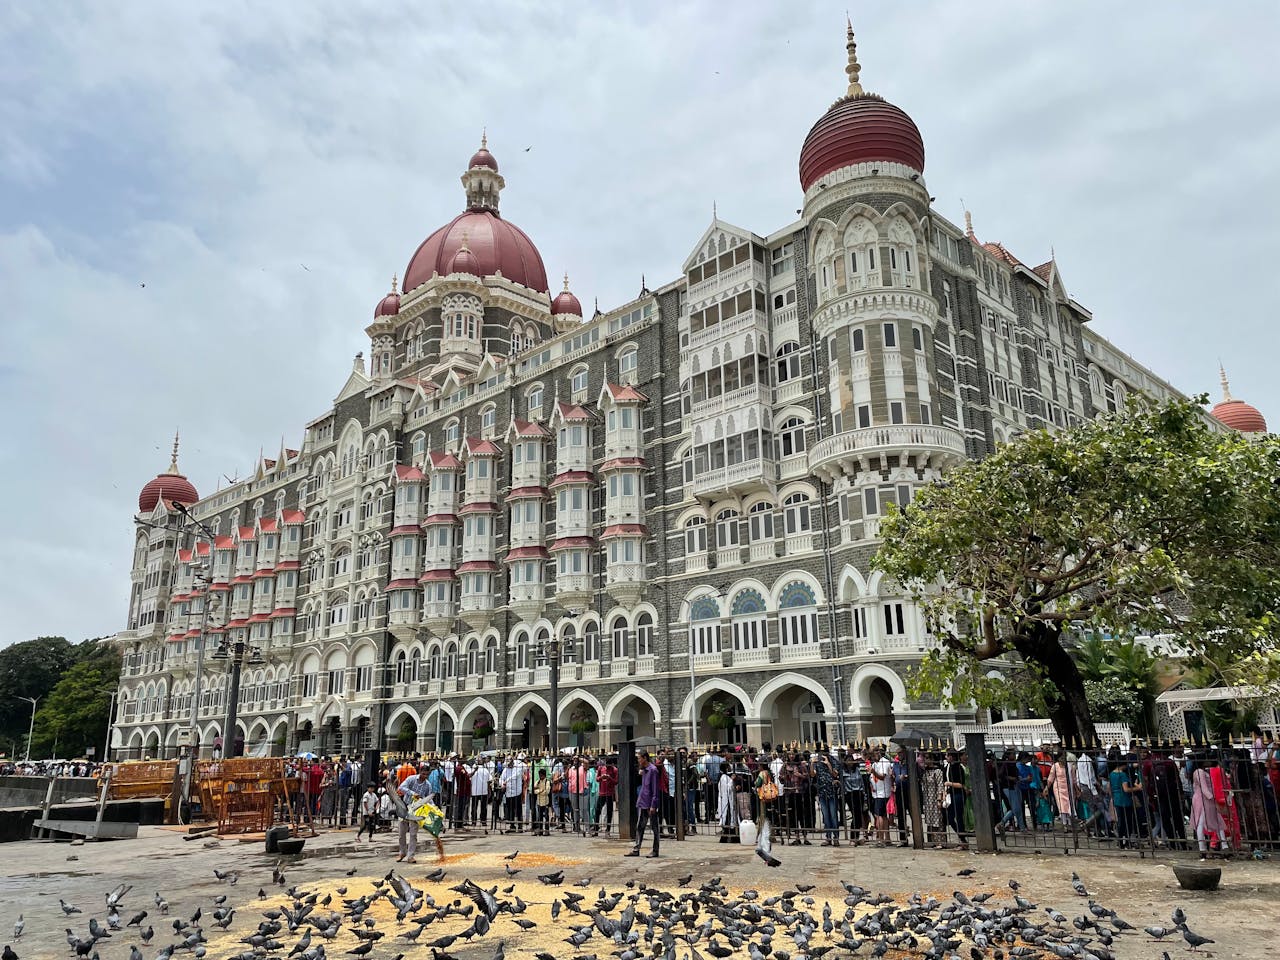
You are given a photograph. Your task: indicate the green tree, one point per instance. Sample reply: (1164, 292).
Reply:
(1120, 680)
(74, 714)
(1143, 522)
(28, 669)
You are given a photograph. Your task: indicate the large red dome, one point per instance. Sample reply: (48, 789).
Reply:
(495, 244)
(860, 129)
(1240, 416)
(173, 487)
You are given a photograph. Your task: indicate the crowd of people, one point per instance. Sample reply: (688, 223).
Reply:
(49, 768)
(1221, 799)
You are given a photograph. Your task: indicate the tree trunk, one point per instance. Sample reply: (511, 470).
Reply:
(1068, 707)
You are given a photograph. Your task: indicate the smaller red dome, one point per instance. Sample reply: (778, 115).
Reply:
(173, 487)
(1239, 416)
(388, 306)
(464, 261)
(483, 158)
(566, 302)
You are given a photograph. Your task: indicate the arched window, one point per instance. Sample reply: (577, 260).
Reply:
(451, 661)
(619, 633)
(578, 380)
(795, 512)
(533, 399)
(704, 626)
(791, 439)
(473, 657)
(695, 535)
(760, 521)
(569, 645)
(591, 642)
(521, 643)
(452, 431)
(540, 643)
(628, 361)
(788, 361)
(415, 667)
(402, 668)
(433, 663)
(491, 655)
(727, 533)
(748, 612)
(798, 614)
(644, 635)
(488, 420)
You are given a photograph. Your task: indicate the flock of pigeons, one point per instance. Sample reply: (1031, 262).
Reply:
(639, 922)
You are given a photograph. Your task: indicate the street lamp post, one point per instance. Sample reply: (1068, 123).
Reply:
(237, 653)
(553, 726)
(111, 709)
(31, 729)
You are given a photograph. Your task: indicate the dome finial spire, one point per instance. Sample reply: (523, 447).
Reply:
(1226, 387)
(566, 280)
(852, 69)
(484, 138)
(173, 460)
(394, 280)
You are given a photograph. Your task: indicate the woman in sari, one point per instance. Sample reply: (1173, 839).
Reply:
(931, 793)
(1063, 790)
(727, 806)
(1206, 815)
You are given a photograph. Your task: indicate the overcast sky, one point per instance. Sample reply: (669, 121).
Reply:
(200, 204)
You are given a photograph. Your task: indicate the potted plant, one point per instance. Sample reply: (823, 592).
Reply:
(580, 725)
(720, 718)
(483, 728)
(405, 736)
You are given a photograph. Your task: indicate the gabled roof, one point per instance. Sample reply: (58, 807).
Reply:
(527, 428)
(267, 525)
(480, 447)
(293, 516)
(571, 413)
(357, 383)
(620, 393)
(717, 226)
(444, 461)
(408, 474)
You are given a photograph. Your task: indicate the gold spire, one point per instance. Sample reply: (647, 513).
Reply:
(855, 88)
(1222, 375)
(173, 460)
(484, 138)
(394, 280)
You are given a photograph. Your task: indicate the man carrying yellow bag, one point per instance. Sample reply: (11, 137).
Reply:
(431, 819)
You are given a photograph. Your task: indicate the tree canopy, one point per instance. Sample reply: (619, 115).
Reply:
(1147, 521)
(28, 669)
(73, 716)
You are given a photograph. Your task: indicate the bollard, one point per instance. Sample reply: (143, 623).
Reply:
(628, 782)
(975, 746)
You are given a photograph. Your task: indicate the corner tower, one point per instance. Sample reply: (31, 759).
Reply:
(867, 213)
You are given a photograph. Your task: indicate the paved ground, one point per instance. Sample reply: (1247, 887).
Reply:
(1243, 917)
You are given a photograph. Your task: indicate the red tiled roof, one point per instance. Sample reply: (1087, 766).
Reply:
(406, 474)
(408, 530)
(527, 493)
(625, 530)
(619, 463)
(294, 516)
(202, 549)
(431, 575)
(570, 543)
(241, 579)
(263, 573)
(402, 585)
(445, 461)
(260, 618)
(288, 565)
(224, 543)
(480, 506)
(220, 587)
(184, 556)
(284, 612)
(480, 447)
(268, 525)
(527, 553)
(245, 533)
(237, 624)
(1044, 270)
(573, 413)
(573, 476)
(478, 566)
(619, 392)
(526, 428)
(175, 637)
(440, 518)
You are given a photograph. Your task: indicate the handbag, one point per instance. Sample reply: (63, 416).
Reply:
(768, 791)
(946, 800)
(891, 808)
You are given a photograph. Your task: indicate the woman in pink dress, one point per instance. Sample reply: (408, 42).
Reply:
(1060, 782)
(1206, 815)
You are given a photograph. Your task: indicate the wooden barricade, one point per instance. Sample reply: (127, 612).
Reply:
(244, 793)
(129, 780)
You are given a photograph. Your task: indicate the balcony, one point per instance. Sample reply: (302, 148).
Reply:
(884, 646)
(740, 273)
(741, 477)
(742, 658)
(756, 393)
(853, 450)
(573, 585)
(695, 562)
(762, 550)
(800, 651)
(646, 665)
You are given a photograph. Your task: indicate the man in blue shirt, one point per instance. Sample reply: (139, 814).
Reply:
(344, 791)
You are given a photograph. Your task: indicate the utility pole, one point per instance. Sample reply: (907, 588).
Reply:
(32, 728)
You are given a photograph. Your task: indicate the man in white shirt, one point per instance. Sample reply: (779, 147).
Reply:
(1087, 783)
(881, 791)
(412, 788)
(512, 790)
(481, 776)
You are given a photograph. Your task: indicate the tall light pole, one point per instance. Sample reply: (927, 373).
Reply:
(553, 727)
(194, 748)
(237, 652)
(111, 709)
(32, 728)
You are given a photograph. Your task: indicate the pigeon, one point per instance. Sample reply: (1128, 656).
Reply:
(117, 894)
(1078, 885)
(512, 855)
(147, 934)
(361, 950)
(8, 953)
(552, 879)
(436, 875)
(161, 903)
(1194, 940)
(134, 952)
(684, 881)
(1015, 886)
(510, 871)
(1158, 933)
(1179, 917)
(966, 872)
(18, 926)
(68, 909)
(136, 919)
(764, 844)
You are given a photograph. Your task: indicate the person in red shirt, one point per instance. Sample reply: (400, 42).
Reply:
(315, 777)
(607, 783)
